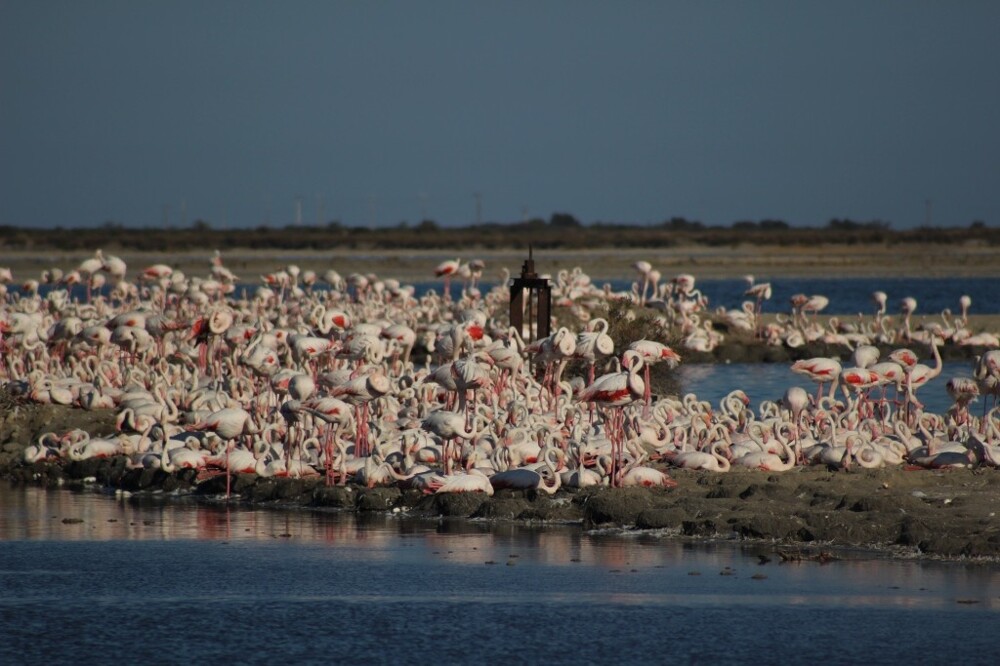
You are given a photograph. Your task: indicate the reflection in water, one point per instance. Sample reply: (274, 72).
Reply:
(300, 586)
(33, 514)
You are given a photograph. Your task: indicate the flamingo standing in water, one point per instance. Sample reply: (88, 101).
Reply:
(821, 370)
(447, 269)
(761, 292)
(907, 306)
(612, 392)
(919, 374)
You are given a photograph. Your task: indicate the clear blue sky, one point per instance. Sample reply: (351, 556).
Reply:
(380, 112)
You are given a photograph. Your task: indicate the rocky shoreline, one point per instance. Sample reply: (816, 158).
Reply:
(946, 514)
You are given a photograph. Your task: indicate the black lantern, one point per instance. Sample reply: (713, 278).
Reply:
(537, 306)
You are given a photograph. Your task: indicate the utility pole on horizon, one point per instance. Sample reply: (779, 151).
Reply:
(479, 207)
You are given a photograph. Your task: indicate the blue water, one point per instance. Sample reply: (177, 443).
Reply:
(173, 583)
(847, 295)
(768, 381)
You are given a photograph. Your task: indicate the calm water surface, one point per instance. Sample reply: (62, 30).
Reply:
(847, 295)
(769, 381)
(175, 582)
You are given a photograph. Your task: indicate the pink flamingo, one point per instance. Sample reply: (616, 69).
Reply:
(612, 392)
(359, 392)
(653, 352)
(449, 426)
(962, 390)
(447, 269)
(821, 370)
(229, 424)
(338, 415)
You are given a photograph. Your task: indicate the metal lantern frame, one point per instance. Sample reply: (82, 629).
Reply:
(531, 302)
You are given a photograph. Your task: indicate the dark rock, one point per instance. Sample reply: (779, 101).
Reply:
(721, 492)
(660, 518)
(377, 499)
(621, 506)
(333, 496)
(458, 504)
(914, 533)
(147, 478)
(765, 526)
(502, 508)
(264, 490)
(240, 484)
(170, 483)
(703, 527)
(291, 489)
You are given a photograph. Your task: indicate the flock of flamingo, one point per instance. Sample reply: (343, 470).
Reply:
(312, 375)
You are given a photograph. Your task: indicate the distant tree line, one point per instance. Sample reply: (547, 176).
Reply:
(560, 230)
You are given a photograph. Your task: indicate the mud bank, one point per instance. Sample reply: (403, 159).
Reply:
(944, 514)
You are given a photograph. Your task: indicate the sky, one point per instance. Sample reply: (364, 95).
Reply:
(375, 113)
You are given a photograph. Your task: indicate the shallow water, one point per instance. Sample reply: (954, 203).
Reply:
(177, 581)
(848, 296)
(769, 381)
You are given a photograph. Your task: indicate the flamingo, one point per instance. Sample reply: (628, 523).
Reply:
(962, 390)
(447, 269)
(919, 374)
(760, 292)
(229, 424)
(821, 370)
(653, 352)
(524, 478)
(473, 482)
(449, 426)
(593, 343)
(338, 415)
(612, 392)
(711, 460)
(907, 306)
(360, 392)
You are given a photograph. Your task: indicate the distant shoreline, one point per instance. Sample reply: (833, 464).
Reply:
(600, 263)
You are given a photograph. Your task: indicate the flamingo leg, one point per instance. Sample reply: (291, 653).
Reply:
(229, 478)
(647, 394)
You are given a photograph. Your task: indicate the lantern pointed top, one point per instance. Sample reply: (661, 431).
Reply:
(528, 269)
